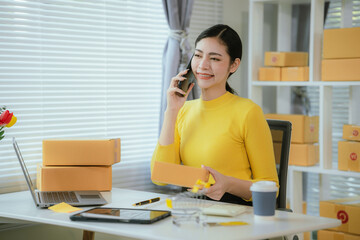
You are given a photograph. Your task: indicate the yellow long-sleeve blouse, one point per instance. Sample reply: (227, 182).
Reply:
(228, 134)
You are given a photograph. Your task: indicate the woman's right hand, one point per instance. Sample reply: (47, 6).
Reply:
(175, 101)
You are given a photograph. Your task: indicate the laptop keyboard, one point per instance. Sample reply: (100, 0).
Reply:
(58, 197)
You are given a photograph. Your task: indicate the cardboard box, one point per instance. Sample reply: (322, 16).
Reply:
(277, 151)
(347, 210)
(305, 129)
(286, 59)
(340, 69)
(349, 156)
(341, 43)
(333, 235)
(81, 152)
(289, 74)
(304, 154)
(70, 178)
(177, 174)
(269, 74)
(351, 132)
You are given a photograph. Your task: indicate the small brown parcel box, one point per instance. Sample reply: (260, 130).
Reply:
(269, 74)
(179, 175)
(286, 59)
(300, 74)
(351, 132)
(334, 235)
(349, 156)
(341, 43)
(340, 69)
(81, 152)
(71, 178)
(303, 154)
(345, 209)
(305, 129)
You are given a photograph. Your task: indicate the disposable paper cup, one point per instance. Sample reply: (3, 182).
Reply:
(264, 198)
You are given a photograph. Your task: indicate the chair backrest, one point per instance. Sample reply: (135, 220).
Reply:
(281, 133)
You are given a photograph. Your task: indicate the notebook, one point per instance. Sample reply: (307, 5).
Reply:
(46, 199)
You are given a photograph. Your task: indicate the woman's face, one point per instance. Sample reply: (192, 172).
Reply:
(211, 65)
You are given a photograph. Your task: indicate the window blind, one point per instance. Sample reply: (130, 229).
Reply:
(81, 69)
(85, 69)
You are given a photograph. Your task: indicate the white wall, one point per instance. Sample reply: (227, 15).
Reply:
(236, 15)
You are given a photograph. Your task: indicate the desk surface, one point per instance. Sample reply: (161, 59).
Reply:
(20, 207)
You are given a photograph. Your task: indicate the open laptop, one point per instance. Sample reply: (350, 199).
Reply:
(45, 199)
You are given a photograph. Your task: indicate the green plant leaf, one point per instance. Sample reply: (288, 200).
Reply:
(1, 137)
(2, 133)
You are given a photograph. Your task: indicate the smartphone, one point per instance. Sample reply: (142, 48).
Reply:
(122, 215)
(190, 78)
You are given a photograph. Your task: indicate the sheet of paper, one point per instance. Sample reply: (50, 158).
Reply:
(64, 208)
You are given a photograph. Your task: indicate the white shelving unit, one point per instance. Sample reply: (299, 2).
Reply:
(258, 35)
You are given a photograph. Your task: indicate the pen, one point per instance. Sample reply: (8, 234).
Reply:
(147, 201)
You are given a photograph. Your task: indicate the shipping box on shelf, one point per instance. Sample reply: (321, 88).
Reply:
(349, 156)
(304, 154)
(341, 43)
(177, 174)
(81, 152)
(286, 59)
(305, 129)
(71, 178)
(340, 69)
(351, 132)
(269, 74)
(335, 235)
(345, 209)
(289, 74)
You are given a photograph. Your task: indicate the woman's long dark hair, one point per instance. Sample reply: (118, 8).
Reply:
(229, 38)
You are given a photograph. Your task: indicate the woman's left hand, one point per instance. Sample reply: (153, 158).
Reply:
(217, 190)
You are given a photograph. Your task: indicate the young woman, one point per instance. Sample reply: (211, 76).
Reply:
(226, 134)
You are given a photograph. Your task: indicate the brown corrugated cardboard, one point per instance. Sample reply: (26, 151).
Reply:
(269, 74)
(349, 156)
(341, 43)
(81, 152)
(286, 59)
(351, 132)
(345, 209)
(177, 174)
(334, 235)
(303, 154)
(340, 69)
(70, 178)
(305, 129)
(289, 74)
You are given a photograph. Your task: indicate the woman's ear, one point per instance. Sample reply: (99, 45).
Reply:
(234, 66)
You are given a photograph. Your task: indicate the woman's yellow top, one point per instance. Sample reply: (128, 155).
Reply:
(229, 134)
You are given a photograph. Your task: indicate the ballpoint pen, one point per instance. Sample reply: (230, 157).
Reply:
(147, 201)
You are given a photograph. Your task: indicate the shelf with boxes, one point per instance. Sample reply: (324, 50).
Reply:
(275, 96)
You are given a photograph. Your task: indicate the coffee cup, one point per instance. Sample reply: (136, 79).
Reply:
(264, 198)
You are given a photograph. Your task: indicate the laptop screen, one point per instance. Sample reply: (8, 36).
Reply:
(24, 169)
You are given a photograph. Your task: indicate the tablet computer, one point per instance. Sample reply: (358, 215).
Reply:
(124, 215)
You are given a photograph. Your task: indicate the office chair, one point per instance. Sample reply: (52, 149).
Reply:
(281, 133)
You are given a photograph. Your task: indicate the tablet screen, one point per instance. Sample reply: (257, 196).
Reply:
(129, 215)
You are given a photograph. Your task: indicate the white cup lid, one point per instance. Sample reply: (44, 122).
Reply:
(264, 186)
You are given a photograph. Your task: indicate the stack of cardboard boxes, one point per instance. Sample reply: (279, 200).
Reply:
(349, 150)
(305, 134)
(285, 66)
(78, 165)
(341, 55)
(348, 211)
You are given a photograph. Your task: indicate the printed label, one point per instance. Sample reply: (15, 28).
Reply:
(274, 59)
(312, 127)
(353, 156)
(343, 216)
(355, 132)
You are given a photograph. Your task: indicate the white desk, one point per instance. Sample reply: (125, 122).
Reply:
(19, 207)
